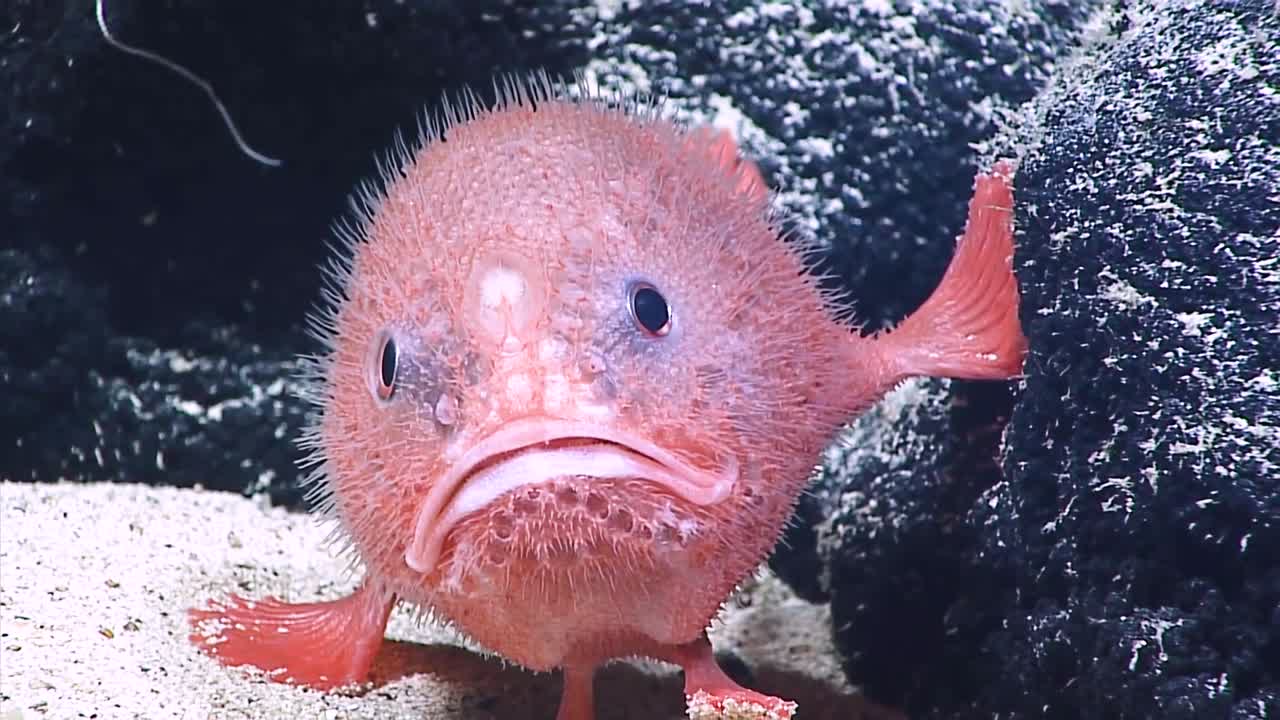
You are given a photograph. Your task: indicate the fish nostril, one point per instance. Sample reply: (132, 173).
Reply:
(593, 362)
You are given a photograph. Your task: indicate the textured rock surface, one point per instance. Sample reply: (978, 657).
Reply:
(1143, 500)
(155, 279)
(896, 544)
(1126, 568)
(85, 404)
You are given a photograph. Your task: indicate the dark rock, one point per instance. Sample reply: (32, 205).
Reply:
(83, 404)
(1125, 567)
(909, 600)
(172, 272)
(54, 329)
(1143, 456)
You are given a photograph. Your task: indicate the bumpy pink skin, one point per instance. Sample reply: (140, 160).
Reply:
(500, 263)
(580, 202)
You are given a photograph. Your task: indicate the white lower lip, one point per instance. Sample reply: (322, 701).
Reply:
(538, 465)
(531, 452)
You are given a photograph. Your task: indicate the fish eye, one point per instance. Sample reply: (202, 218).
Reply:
(650, 309)
(388, 362)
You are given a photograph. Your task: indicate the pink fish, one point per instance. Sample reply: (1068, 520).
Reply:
(576, 379)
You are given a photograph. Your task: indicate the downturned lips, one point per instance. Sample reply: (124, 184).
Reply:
(535, 450)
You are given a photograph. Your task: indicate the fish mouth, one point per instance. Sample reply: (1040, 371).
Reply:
(534, 450)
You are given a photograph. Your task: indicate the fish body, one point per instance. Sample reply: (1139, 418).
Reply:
(577, 375)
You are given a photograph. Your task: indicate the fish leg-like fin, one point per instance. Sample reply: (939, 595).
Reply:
(969, 327)
(323, 645)
(713, 695)
(577, 699)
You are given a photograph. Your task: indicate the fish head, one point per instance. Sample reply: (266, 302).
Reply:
(571, 340)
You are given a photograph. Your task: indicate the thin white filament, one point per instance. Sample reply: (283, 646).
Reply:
(194, 79)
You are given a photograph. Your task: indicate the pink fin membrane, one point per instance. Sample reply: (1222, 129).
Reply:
(723, 150)
(323, 645)
(969, 326)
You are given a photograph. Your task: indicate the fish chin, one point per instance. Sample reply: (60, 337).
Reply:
(535, 452)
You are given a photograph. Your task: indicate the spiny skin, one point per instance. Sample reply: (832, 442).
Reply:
(586, 200)
(500, 262)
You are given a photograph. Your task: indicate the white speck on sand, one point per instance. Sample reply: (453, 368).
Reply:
(95, 582)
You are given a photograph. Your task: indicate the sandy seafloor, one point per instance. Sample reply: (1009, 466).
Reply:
(95, 581)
